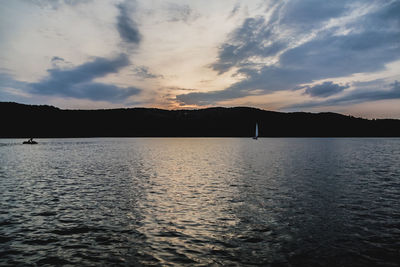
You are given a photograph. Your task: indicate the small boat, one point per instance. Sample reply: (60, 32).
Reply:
(255, 137)
(29, 142)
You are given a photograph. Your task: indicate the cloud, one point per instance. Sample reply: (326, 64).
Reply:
(325, 89)
(234, 10)
(78, 82)
(255, 38)
(57, 3)
(262, 37)
(127, 27)
(326, 57)
(99, 91)
(308, 13)
(11, 88)
(144, 73)
(58, 62)
(358, 95)
(86, 72)
(304, 49)
(180, 13)
(55, 58)
(209, 98)
(362, 95)
(6, 80)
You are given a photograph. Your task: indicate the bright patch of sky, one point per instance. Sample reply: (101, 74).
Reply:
(294, 55)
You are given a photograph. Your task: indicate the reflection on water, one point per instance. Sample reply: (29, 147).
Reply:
(222, 201)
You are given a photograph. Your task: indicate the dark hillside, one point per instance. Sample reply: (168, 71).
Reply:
(24, 121)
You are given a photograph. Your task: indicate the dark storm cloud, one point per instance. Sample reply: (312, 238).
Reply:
(78, 82)
(358, 95)
(325, 89)
(372, 41)
(127, 27)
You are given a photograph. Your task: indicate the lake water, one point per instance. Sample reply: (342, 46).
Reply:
(195, 201)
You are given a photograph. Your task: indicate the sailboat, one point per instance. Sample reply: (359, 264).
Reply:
(256, 134)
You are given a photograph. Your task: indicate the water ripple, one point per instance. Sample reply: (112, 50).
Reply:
(200, 202)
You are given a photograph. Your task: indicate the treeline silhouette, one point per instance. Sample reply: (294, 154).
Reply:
(24, 121)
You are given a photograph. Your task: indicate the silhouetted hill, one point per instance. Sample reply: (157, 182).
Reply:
(24, 121)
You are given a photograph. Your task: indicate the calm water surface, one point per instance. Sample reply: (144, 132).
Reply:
(222, 201)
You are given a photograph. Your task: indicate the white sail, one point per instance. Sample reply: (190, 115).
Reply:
(256, 135)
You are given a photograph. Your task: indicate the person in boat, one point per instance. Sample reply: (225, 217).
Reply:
(30, 141)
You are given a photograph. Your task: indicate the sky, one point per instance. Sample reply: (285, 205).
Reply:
(287, 55)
